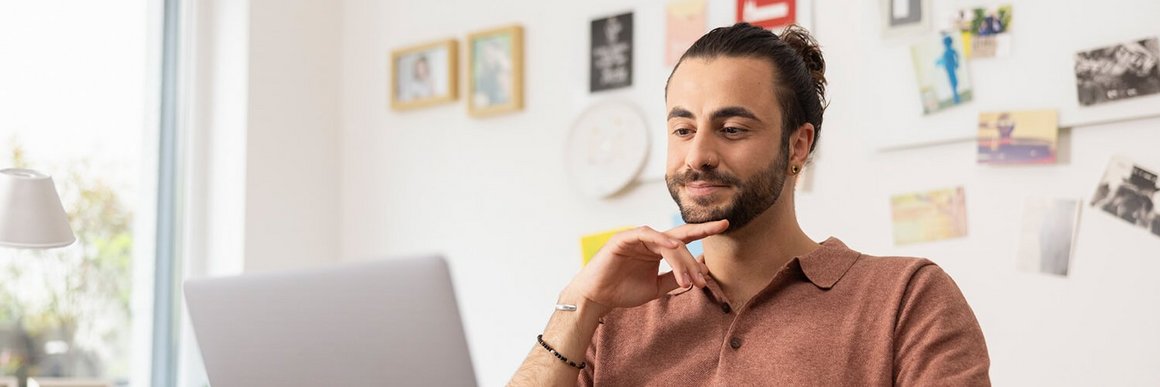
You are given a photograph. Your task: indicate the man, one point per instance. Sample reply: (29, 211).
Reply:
(771, 306)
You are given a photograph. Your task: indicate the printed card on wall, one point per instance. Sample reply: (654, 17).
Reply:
(768, 14)
(685, 24)
(1021, 137)
(1129, 192)
(611, 53)
(984, 31)
(929, 216)
(1126, 70)
(1048, 232)
(941, 70)
(590, 244)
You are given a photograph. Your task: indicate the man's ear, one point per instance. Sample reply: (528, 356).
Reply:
(799, 144)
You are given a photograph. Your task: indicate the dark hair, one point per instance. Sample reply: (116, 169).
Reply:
(799, 69)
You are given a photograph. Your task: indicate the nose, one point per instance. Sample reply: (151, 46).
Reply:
(702, 152)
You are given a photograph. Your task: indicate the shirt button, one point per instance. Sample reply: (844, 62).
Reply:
(735, 342)
(725, 308)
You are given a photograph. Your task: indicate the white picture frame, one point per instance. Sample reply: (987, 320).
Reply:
(900, 18)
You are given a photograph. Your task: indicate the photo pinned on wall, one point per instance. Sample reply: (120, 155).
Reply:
(984, 31)
(590, 244)
(611, 53)
(775, 14)
(1047, 237)
(685, 23)
(941, 70)
(1018, 137)
(929, 216)
(905, 17)
(424, 75)
(495, 73)
(1129, 192)
(1125, 70)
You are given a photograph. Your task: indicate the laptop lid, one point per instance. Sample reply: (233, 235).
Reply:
(392, 322)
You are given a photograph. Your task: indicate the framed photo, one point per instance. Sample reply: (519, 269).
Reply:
(424, 75)
(905, 17)
(495, 71)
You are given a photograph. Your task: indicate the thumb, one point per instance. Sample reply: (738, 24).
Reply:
(666, 283)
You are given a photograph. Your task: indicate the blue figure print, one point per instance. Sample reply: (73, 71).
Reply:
(950, 61)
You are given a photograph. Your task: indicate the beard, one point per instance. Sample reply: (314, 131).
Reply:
(752, 197)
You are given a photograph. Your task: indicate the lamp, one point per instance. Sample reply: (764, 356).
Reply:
(31, 215)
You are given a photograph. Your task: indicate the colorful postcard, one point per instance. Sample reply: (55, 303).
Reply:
(1048, 234)
(610, 64)
(929, 216)
(695, 248)
(1129, 192)
(1125, 70)
(685, 24)
(1018, 137)
(984, 31)
(941, 70)
(590, 244)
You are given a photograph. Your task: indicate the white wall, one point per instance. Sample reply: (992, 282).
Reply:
(292, 143)
(491, 193)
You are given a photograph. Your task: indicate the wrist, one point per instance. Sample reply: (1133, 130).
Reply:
(585, 307)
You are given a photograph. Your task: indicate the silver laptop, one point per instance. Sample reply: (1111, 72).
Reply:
(385, 323)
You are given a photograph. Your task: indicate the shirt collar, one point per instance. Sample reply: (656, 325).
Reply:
(826, 265)
(823, 267)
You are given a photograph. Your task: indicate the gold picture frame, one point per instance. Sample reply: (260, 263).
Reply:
(424, 75)
(495, 71)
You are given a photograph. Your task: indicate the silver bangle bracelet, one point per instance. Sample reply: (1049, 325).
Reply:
(566, 307)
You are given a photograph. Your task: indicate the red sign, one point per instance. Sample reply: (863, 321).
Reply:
(767, 14)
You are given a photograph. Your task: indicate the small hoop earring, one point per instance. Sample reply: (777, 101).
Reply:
(795, 169)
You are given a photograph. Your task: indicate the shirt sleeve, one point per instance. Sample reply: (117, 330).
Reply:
(937, 339)
(587, 375)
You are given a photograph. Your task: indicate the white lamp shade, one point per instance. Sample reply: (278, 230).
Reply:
(31, 215)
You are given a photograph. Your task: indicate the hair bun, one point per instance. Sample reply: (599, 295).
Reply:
(810, 52)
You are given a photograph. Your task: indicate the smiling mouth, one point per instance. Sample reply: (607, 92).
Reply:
(701, 188)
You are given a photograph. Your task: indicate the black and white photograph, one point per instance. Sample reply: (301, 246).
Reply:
(1125, 70)
(1129, 192)
(611, 55)
(1047, 235)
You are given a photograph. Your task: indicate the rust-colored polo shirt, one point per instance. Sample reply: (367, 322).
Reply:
(833, 317)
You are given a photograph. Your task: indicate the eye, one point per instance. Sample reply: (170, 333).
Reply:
(682, 132)
(733, 131)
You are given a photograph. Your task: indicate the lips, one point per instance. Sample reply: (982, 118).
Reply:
(704, 188)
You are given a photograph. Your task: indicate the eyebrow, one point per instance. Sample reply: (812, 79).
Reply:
(720, 114)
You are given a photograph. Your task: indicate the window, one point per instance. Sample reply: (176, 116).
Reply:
(75, 103)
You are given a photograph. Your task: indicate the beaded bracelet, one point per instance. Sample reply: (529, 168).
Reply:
(540, 338)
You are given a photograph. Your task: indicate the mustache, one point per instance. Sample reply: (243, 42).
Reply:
(710, 176)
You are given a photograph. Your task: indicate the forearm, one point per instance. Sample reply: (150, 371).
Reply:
(570, 334)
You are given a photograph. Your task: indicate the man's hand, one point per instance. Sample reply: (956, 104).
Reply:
(624, 272)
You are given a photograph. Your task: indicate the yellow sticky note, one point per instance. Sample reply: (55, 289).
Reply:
(591, 243)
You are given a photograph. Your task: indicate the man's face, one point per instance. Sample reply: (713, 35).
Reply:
(726, 158)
